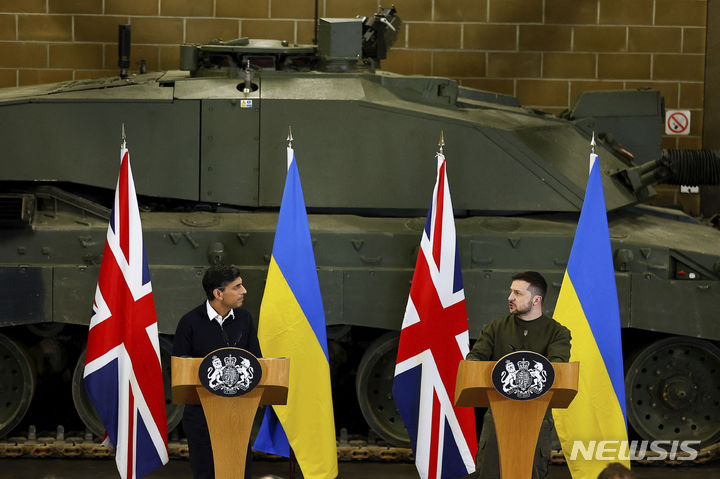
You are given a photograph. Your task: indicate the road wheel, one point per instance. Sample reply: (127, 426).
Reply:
(373, 386)
(17, 384)
(673, 390)
(90, 417)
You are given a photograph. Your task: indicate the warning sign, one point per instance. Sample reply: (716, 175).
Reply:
(677, 122)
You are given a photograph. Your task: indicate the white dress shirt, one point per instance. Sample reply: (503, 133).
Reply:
(213, 315)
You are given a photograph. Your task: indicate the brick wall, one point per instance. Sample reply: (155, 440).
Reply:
(543, 51)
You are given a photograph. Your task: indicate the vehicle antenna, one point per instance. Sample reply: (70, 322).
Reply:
(315, 29)
(123, 143)
(247, 85)
(124, 49)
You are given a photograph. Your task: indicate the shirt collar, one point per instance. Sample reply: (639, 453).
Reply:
(214, 316)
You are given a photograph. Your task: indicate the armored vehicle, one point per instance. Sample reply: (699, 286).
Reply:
(208, 145)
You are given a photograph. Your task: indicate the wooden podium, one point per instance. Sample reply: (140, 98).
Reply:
(229, 419)
(517, 423)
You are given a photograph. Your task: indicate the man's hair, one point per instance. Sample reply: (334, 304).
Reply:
(538, 285)
(217, 277)
(615, 470)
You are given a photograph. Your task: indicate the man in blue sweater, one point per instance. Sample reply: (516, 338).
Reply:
(217, 323)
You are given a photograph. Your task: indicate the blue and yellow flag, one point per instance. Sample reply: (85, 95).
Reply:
(588, 306)
(292, 325)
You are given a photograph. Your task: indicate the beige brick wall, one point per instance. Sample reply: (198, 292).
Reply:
(544, 51)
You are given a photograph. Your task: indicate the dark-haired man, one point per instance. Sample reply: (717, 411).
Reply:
(526, 328)
(217, 323)
(615, 470)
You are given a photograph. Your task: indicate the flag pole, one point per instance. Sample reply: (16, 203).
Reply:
(291, 457)
(587, 305)
(299, 315)
(292, 464)
(436, 323)
(132, 339)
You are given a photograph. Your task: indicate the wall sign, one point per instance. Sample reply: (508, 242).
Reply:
(677, 122)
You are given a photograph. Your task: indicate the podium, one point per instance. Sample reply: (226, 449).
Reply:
(517, 423)
(229, 419)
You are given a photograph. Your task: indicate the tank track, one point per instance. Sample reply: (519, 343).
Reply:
(87, 446)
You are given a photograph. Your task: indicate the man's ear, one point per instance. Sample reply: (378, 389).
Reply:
(216, 293)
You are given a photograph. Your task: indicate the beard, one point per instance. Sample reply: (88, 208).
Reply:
(521, 308)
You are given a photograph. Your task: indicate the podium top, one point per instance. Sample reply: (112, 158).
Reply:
(274, 381)
(474, 380)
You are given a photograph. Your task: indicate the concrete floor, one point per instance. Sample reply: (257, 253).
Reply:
(23, 468)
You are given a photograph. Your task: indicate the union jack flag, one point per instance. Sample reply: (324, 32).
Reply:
(123, 376)
(433, 341)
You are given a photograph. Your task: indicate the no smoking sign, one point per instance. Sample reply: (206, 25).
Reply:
(677, 122)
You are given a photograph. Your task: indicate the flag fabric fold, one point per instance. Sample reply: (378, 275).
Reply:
(588, 306)
(433, 340)
(292, 325)
(123, 373)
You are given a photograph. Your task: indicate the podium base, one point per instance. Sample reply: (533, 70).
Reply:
(229, 421)
(518, 439)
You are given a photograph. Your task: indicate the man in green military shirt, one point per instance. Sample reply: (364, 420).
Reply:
(526, 328)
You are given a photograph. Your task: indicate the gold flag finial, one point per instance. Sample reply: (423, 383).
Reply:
(441, 143)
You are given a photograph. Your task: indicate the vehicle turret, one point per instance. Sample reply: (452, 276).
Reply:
(344, 44)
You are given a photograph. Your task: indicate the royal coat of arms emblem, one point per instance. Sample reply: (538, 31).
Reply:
(515, 378)
(230, 371)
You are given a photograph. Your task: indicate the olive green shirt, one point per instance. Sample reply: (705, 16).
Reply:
(505, 335)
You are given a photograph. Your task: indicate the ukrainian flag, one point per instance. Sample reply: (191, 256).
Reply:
(588, 306)
(292, 325)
